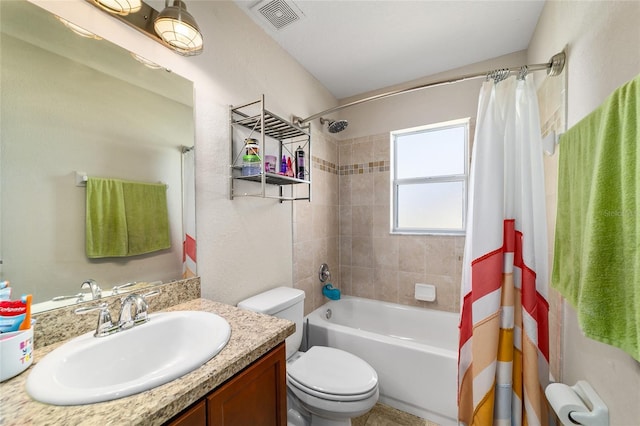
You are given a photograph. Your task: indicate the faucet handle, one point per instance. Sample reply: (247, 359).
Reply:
(96, 291)
(116, 289)
(142, 314)
(105, 325)
(151, 294)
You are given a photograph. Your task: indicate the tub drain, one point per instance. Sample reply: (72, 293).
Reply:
(328, 314)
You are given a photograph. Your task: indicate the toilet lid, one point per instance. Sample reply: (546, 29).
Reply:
(333, 371)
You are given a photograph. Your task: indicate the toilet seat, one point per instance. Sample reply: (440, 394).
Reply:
(332, 374)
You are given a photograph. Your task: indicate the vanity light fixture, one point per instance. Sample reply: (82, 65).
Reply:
(78, 30)
(144, 61)
(173, 27)
(119, 7)
(177, 28)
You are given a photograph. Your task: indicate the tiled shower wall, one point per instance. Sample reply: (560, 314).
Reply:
(374, 263)
(315, 223)
(347, 226)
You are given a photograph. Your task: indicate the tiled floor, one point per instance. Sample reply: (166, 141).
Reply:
(383, 415)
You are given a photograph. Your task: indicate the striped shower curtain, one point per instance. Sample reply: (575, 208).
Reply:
(504, 353)
(188, 213)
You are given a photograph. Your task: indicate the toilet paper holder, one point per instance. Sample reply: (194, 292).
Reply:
(598, 414)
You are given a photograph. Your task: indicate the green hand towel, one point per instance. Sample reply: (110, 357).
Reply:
(147, 217)
(106, 223)
(597, 240)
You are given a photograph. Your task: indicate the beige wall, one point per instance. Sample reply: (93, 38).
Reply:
(601, 40)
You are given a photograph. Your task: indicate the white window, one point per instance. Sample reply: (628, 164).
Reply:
(429, 173)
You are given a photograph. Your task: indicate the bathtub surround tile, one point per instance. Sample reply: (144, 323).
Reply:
(362, 282)
(362, 189)
(345, 150)
(345, 220)
(332, 185)
(344, 191)
(361, 221)
(363, 149)
(364, 198)
(345, 250)
(321, 219)
(302, 221)
(321, 252)
(317, 223)
(381, 221)
(381, 147)
(412, 254)
(385, 285)
(381, 189)
(362, 252)
(345, 280)
(302, 260)
(386, 252)
(440, 256)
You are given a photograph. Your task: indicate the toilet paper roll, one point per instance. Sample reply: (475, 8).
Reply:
(564, 400)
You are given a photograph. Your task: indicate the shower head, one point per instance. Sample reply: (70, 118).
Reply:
(335, 126)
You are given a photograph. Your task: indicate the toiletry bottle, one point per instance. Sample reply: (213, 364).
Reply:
(300, 163)
(283, 166)
(289, 167)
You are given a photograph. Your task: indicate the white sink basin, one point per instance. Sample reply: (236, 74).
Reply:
(92, 369)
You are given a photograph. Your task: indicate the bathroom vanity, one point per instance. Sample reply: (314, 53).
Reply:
(247, 378)
(261, 387)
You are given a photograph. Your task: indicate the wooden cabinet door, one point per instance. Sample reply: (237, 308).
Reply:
(196, 415)
(257, 396)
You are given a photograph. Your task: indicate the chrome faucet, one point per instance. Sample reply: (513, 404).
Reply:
(133, 310)
(96, 291)
(133, 303)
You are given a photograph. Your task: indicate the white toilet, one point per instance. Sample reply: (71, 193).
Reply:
(325, 386)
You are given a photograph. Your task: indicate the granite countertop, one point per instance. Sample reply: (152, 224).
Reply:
(252, 335)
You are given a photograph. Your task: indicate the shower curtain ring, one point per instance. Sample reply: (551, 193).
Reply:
(524, 70)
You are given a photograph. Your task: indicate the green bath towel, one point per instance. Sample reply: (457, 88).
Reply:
(597, 240)
(106, 222)
(147, 217)
(125, 218)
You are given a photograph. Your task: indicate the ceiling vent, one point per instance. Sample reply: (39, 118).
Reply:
(279, 13)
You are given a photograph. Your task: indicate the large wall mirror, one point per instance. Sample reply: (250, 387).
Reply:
(72, 104)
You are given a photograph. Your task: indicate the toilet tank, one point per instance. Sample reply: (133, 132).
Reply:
(281, 302)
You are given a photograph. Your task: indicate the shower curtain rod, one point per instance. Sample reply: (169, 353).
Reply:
(553, 67)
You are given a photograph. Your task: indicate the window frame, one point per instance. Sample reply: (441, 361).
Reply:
(395, 183)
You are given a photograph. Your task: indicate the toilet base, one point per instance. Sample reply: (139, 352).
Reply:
(294, 418)
(321, 421)
(298, 415)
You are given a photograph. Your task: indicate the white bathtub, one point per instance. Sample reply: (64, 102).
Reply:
(413, 350)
